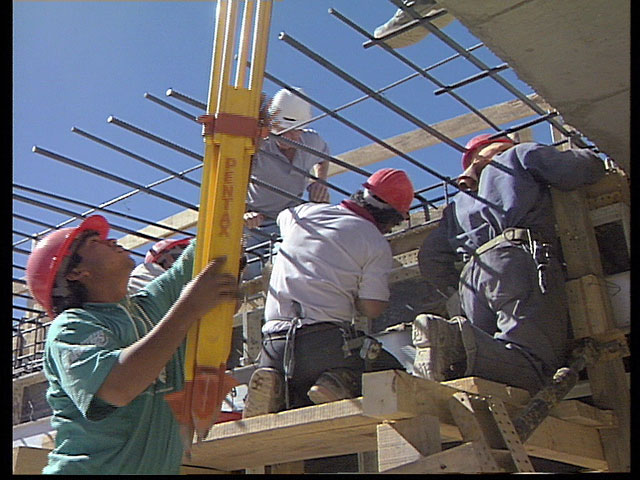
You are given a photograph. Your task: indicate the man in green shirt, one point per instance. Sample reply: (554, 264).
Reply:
(110, 358)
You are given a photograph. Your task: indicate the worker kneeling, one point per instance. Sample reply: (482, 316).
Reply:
(511, 286)
(333, 265)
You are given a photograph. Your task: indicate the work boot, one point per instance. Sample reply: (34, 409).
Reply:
(334, 384)
(265, 393)
(440, 353)
(401, 18)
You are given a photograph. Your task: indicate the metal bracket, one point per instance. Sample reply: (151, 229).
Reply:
(509, 435)
(228, 123)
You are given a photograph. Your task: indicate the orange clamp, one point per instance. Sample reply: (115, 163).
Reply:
(228, 123)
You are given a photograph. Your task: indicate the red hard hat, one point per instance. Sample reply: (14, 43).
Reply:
(477, 142)
(162, 246)
(45, 259)
(393, 187)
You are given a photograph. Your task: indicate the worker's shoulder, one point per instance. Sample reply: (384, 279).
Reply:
(309, 136)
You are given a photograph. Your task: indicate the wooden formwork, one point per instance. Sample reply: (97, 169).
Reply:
(405, 420)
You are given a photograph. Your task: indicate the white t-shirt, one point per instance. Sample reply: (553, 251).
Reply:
(329, 257)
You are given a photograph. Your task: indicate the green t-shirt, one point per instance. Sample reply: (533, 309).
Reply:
(83, 344)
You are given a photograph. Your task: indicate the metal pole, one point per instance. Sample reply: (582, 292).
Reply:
(135, 156)
(112, 177)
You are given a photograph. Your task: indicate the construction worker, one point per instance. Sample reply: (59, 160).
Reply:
(281, 164)
(514, 325)
(110, 358)
(157, 261)
(333, 264)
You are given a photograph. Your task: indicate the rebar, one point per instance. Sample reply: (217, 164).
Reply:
(143, 133)
(64, 211)
(482, 66)
(361, 86)
(168, 106)
(426, 75)
(135, 156)
(110, 202)
(112, 212)
(112, 177)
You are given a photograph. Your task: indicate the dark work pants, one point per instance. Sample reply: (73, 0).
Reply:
(514, 333)
(315, 352)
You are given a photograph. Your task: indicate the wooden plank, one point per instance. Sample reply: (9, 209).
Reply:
(336, 428)
(567, 442)
(589, 306)
(406, 441)
(481, 386)
(469, 457)
(395, 395)
(29, 460)
(577, 412)
(346, 426)
(191, 470)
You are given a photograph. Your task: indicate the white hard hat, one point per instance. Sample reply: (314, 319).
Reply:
(288, 109)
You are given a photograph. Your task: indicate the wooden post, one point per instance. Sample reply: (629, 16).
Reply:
(584, 269)
(406, 441)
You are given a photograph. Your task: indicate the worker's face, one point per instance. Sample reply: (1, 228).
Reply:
(481, 158)
(101, 259)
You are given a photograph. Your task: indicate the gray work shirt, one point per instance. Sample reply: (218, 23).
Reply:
(513, 191)
(280, 173)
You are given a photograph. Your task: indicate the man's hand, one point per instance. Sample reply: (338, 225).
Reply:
(209, 288)
(318, 193)
(253, 219)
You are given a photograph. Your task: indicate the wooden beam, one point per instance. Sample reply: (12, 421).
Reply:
(408, 440)
(336, 428)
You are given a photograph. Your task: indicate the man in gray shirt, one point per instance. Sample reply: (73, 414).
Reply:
(281, 164)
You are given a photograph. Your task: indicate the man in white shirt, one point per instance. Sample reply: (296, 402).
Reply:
(332, 266)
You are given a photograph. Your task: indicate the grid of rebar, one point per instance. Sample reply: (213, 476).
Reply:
(432, 189)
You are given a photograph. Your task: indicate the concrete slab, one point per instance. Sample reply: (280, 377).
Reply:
(576, 55)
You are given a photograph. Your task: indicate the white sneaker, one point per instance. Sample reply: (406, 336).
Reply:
(401, 18)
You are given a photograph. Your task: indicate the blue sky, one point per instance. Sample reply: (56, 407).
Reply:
(77, 63)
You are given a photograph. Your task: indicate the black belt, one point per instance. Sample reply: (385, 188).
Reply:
(309, 328)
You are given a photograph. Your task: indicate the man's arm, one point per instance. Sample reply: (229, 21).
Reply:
(436, 260)
(318, 192)
(139, 364)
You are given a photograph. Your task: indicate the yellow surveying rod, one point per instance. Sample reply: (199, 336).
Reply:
(230, 130)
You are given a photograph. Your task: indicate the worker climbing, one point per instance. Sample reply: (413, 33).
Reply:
(514, 323)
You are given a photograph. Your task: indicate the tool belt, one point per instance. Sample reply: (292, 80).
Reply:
(539, 249)
(516, 236)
